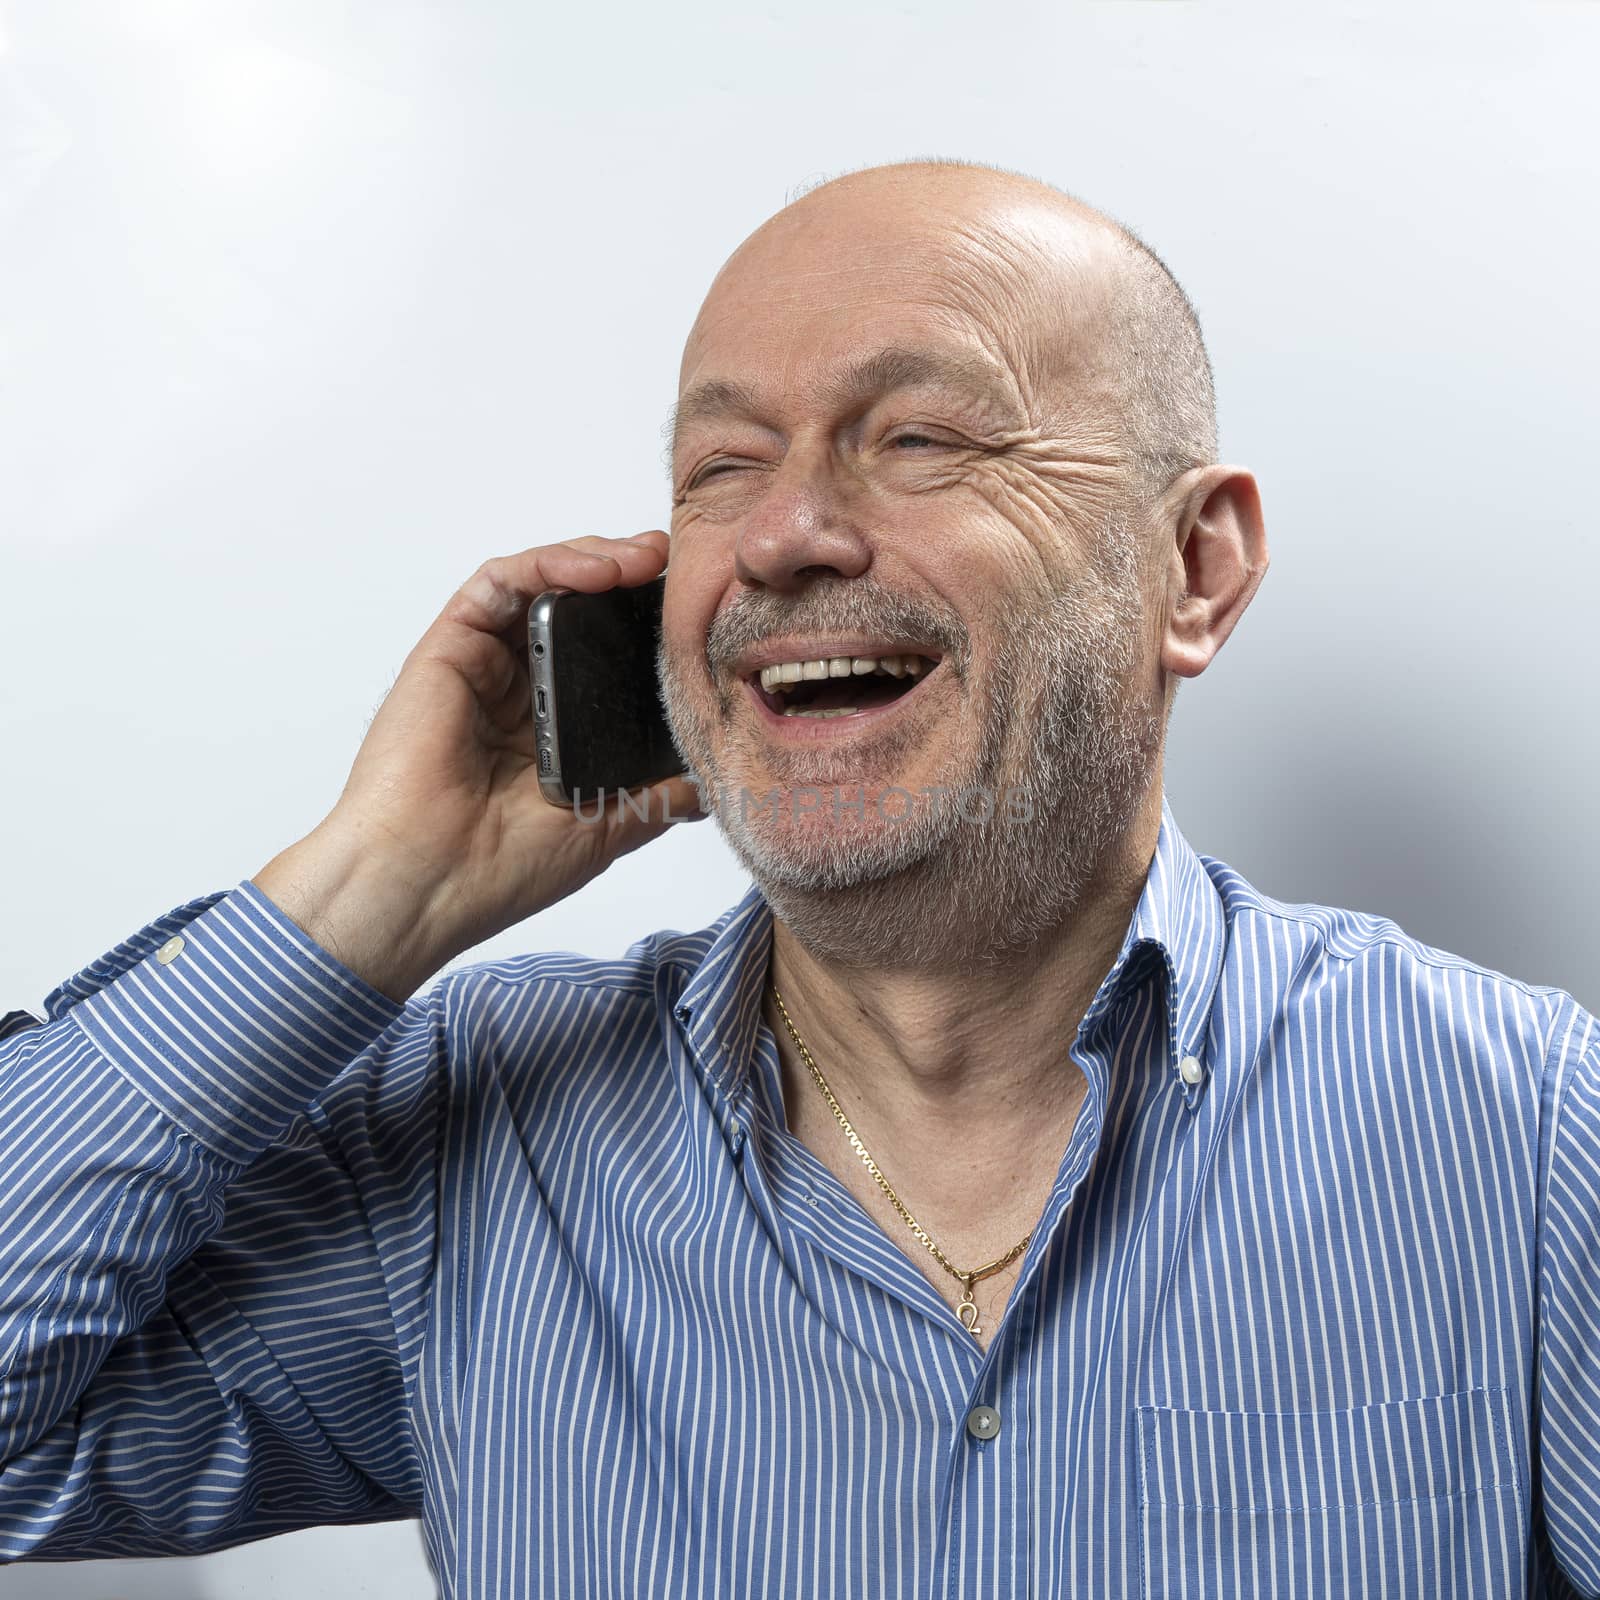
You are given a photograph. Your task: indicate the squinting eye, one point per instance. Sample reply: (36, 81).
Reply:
(718, 467)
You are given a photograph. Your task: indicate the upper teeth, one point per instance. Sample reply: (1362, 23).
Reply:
(775, 677)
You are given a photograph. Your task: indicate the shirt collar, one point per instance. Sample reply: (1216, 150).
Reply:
(1179, 917)
(720, 1006)
(1179, 921)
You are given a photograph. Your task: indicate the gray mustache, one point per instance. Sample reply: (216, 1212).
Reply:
(847, 605)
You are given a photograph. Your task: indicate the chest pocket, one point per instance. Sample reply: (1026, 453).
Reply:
(1406, 1497)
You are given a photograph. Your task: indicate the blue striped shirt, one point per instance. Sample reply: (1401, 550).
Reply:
(535, 1258)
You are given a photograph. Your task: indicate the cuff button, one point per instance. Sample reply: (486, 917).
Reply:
(170, 951)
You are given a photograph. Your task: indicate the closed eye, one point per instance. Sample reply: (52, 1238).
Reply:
(717, 467)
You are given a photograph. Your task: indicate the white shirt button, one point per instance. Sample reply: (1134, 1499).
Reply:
(983, 1422)
(170, 951)
(1190, 1069)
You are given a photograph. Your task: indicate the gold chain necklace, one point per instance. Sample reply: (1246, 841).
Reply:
(968, 1309)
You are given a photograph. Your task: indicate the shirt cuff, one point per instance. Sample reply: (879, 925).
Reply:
(233, 1026)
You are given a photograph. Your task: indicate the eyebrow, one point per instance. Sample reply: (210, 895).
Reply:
(882, 372)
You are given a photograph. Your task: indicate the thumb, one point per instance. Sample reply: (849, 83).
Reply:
(633, 817)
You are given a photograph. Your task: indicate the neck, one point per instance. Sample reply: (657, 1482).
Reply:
(977, 1062)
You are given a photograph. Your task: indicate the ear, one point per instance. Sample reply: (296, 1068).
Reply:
(1216, 563)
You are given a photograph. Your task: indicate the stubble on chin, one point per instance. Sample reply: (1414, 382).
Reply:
(949, 888)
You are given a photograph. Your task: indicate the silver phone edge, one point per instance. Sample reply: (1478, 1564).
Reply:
(547, 738)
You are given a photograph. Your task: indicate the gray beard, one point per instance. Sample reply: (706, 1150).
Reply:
(1064, 757)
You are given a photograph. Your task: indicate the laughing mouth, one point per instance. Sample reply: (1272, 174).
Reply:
(839, 686)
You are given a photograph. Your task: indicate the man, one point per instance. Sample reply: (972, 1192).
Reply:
(1002, 1199)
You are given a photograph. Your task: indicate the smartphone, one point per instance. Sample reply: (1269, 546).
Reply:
(597, 714)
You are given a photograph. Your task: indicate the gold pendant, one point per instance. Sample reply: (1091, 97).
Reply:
(968, 1304)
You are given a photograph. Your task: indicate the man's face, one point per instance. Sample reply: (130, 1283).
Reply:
(898, 438)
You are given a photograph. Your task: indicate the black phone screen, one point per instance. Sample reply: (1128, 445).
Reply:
(611, 731)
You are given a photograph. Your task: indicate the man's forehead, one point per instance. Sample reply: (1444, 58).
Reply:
(1017, 299)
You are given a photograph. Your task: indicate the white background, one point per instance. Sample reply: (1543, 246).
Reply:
(309, 306)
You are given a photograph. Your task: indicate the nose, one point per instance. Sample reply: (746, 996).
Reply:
(801, 527)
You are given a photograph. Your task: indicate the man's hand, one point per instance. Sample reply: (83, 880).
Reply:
(441, 838)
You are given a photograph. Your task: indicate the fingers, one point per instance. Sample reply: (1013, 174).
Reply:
(599, 544)
(499, 592)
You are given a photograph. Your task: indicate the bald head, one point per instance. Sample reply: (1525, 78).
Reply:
(1095, 300)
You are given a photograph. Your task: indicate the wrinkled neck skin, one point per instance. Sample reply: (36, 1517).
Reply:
(955, 1052)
